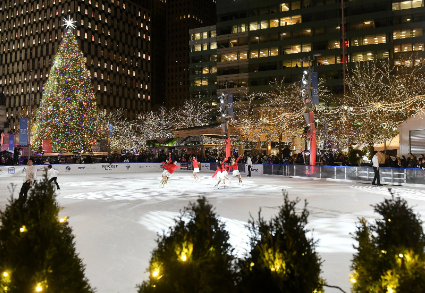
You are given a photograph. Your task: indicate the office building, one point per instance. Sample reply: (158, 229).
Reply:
(183, 15)
(203, 62)
(261, 42)
(113, 35)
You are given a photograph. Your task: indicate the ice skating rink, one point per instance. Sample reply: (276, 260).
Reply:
(116, 218)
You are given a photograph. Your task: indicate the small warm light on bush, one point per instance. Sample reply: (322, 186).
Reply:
(389, 220)
(22, 229)
(390, 290)
(38, 289)
(352, 280)
(184, 257)
(62, 220)
(252, 264)
(400, 255)
(5, 274)
(383, 251)
(155, 273)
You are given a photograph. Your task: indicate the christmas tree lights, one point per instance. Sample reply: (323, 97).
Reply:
(68, 112)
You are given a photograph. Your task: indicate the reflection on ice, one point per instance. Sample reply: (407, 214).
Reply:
(178, 187)
(158, 221)
(333, 234)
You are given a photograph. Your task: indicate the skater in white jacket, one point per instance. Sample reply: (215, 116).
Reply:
(52, 175)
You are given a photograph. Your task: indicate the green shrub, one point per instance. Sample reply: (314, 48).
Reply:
(390, 253)
(282, 258)
(37, 249)
(194, 256)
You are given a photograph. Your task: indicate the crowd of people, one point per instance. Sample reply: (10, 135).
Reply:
(327, 158)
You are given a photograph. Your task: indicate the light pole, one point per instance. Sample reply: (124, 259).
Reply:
(29, 120)
(310, 100)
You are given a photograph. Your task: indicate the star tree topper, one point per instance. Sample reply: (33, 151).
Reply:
(69, 23)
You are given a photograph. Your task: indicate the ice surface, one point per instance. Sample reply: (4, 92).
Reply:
(116, 217)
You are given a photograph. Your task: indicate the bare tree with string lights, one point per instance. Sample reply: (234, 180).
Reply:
(380, 96)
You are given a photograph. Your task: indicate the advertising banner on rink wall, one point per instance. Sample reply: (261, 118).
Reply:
(106, 168)
(257, 169)
(100, 168)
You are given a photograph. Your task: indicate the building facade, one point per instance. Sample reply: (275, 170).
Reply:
(113, 35)
(261, 42)
(203, 63)
(183, 15)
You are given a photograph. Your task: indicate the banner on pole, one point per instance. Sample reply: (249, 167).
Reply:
(315, 86)
(11, 142)
(23, 126)
(110, 130)
(47, 146)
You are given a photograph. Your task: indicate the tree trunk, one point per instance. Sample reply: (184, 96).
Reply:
(280, 146)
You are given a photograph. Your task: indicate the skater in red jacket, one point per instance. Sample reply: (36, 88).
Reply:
(195, 169)
(169, 170)
(221, 172)
(234, 166)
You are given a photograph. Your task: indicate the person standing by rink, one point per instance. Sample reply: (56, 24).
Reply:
(234, 166)
(52, 175)
(195, 169)
(375, 164)
(29, 181)
(249, 163)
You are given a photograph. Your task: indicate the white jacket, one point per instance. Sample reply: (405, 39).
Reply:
(375, 162)
(249, 162)
(52, 173)
(30, 174)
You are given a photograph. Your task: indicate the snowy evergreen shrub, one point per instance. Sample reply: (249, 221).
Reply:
(281, 258)
(194, 256)
(37, 249)
(390, 253)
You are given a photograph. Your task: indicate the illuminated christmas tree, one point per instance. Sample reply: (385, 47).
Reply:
(68, 112)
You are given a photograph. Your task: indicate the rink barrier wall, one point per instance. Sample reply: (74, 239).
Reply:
(106, 168)
(395, 176)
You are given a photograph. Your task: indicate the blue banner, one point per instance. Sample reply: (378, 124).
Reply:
(315, 86)
(11, 142)
(23, 126)
(110, 130)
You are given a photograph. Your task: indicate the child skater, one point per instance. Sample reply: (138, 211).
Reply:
(52, 175)
(236, 172)
(170, 168)
(195, 169)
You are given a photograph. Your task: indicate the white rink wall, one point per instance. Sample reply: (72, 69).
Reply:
(105, 168)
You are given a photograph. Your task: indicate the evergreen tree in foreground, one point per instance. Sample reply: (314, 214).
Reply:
(194, 256)
(68, 112)
(37, 250)
(282, 258)
(390, 253)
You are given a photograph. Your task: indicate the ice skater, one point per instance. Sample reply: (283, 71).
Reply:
(170, 168)
(220, 172)
(165, 173)
(195, 169)
(52, 175)
(30, 176)
(234, 166)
